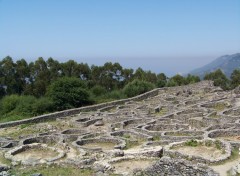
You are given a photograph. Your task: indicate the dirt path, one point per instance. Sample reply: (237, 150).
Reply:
(222, 169)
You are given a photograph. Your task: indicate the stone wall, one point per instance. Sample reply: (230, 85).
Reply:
(169, 151)
(177, 167)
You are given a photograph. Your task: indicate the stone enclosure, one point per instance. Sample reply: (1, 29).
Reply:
(187, 130)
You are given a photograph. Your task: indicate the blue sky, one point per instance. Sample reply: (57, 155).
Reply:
(167, 36)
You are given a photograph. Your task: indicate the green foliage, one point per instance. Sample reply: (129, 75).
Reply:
(68, 93)
(235, 78)
(25, 105)
(208, 143)
(178, 79)
(156, 138)
(43, 105)
(9, 103)
(51, 85)
(191, 143)
(219, 79)
(98, 90)
(53, 170)
(218, 144)
(15, 107)
(137, 87)
(2, 92)
(190, 79)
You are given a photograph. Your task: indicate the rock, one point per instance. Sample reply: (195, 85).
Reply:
(99, 123)
(37, 174)
(4, 168)
(117, 153)
(4, 173)
(237, 90)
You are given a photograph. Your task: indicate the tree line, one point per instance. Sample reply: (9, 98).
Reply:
(42, 86)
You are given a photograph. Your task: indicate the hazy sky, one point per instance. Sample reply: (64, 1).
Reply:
(168, 36)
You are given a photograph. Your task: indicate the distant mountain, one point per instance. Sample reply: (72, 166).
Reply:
(226, 63)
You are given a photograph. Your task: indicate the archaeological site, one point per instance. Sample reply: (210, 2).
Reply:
(186, 130)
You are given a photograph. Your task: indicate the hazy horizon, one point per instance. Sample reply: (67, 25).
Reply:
(159, 35)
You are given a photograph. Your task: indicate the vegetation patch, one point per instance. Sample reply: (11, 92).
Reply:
(191, 143)
(53, 170)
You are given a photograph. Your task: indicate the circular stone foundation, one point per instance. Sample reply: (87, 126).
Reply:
(204, 151)
(164, 127)
(103, 144)
(130, 166)
(227, 135)
(32, 154)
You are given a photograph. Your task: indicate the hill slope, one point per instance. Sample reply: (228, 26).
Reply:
(226, 63)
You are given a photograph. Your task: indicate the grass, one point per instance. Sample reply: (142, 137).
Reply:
(214, 115)
(131, 144)
(27, 129)
(219, 106)
(162, 112)
(127, 136)
(156, 138)
(7, 118)
(19, 131)
(191, 143)
(52, 170)
(3, 160)
(234, 156)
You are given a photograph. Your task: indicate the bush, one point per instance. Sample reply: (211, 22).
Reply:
(68, 93)
(191, 143)
(137, 87)
(98, 90)
(43, 105)
(9, 103)
(25, 105)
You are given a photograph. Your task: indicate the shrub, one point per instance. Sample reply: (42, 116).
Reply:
(68, 93)
(25, 105)
(137, 87)
(98, 90)
(9, 103)
(191, 143)
(43, 105)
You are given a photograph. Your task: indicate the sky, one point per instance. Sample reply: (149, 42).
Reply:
(170, 36)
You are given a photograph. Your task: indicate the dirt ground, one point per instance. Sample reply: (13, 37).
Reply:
(103, 145)
(202, 151)
(130, 165)
(230, 138)
(36, 154)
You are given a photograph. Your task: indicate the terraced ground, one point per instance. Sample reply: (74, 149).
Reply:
(198, 123)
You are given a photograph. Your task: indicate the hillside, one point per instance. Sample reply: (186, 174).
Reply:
(226, 63)
(189, 129)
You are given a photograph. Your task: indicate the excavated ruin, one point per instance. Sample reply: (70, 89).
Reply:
(185, 130)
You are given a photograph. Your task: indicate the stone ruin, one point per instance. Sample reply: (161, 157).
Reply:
(186, 130)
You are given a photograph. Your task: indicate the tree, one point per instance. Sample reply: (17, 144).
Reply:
(161, 80)
(70, 69)
(54, 68)
(190, 79)
(178, 79)
(68, 93)
(219, 79)
(22, 75)
(235, 78)
(137, 87)
(8, 75)
(40, 77)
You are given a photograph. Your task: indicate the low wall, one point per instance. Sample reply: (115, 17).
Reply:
(226, 147)
(177, 167)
